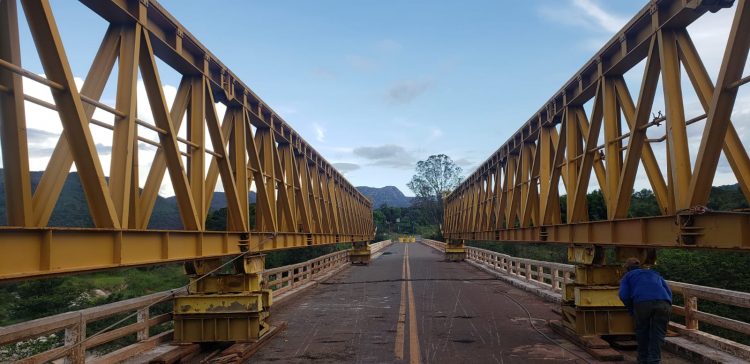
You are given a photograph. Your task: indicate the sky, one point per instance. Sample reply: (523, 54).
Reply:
(376, 86)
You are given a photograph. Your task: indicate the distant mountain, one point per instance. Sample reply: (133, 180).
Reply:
(219, 200)
(389, 195)
(72, 210)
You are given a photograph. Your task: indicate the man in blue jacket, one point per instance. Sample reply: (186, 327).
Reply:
(648, 297)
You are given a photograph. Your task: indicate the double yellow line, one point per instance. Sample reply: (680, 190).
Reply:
(406, 291)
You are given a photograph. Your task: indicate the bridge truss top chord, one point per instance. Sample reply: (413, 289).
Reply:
(595, 125)
(301, 199)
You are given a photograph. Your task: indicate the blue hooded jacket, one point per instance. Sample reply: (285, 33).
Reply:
(640, 285)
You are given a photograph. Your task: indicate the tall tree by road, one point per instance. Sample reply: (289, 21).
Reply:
(433, 177)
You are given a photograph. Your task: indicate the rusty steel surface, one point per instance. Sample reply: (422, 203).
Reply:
(593, 132)
(354, 317)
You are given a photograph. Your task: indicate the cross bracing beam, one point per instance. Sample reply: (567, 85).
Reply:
(594, 129)
(302, 200)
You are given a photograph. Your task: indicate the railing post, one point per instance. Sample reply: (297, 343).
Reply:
(555, 279)
(143, 317)
(540, 274)
(74, 336)
(691, 305)
(528, 271)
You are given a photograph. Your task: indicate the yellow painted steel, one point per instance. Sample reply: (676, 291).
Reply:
(455, 251)
(212, 328)
(225, 283)
(614, 321)
(597, 296)
(515, 195)
(219, 304)
(224, 307)
(360, 253)
(27, 253)
(253, 264)
(302, 200)
(569, 293)
(587, 254)
(594, 295)
(407, 239)
(599, 275)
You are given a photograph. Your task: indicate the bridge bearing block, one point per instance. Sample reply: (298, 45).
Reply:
(600, 321)
(235, 327)
(455, 251)
(226, 283)
(591, 305)
(599, 275)
(360, 253)
(224, 307)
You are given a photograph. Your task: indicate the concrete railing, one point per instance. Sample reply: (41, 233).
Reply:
(72, 325)
(552, 276)
(289, 277)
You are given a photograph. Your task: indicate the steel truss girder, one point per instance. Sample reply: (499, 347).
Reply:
(301, 199)
(714, 230)
(594, 130)
(50, 251)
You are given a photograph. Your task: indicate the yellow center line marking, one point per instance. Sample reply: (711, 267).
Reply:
(415, 355)
(399, 350)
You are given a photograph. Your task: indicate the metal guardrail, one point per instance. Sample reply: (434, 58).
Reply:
(552, 276)
(73, 324)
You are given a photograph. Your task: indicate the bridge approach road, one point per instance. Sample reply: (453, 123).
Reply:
(410, 306)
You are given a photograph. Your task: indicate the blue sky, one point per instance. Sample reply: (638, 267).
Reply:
(381, 84)
(377, 85)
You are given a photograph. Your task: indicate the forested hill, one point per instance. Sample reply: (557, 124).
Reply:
(219, 200)
(388, 195)
(72, 210)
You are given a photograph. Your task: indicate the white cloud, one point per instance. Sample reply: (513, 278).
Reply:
(435, 133)
(388, 46)
(324, 73)
(361, 63)
(345, 167)
(710, 33)
(406, 91)
(599, 23)
(595, 13)
(320, 132)
(387, 155)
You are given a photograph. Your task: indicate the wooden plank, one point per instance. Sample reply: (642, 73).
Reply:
(240, 352)
(133, 350)
(174, 356)
(597, 351)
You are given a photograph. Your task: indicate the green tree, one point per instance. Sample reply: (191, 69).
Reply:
(643, 204)
(48, 296)
(433, 177)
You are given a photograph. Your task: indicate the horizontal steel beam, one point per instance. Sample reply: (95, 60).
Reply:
(714, 230)
(32, 252)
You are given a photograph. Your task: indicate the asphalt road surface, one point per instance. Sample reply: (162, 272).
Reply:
(409, 306)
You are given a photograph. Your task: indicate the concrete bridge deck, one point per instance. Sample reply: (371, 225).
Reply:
(411, 306)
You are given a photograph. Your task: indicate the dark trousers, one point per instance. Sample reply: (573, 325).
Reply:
(651, 320)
